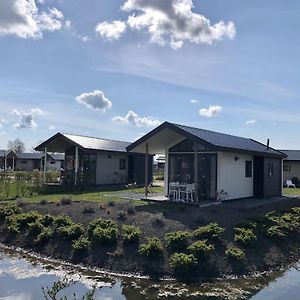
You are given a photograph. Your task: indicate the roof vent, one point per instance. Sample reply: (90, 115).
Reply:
(268, 144)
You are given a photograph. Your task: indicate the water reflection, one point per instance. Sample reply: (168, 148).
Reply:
(21, 278)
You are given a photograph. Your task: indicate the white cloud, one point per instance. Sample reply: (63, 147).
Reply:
(51, 127)
(134, 119)
(110, 31)
(26, 119)
(170, 22)
(25, 20)
(94, 100)
(250, 122)
(194, 101)
(211, 111)
(2, 133)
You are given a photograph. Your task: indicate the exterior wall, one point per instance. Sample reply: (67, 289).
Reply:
(56, 166)
(108, 168)
(166, 173)
(272, 184)
(295, 170)
(28, 166)
(231, 175)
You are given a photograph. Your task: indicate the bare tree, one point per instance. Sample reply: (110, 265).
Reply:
(16, 145)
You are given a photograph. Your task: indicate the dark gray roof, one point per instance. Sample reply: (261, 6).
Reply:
(292, 154)
(228, 141)
(57, 156)
(35, 155)
(93, 143)
(4, 153)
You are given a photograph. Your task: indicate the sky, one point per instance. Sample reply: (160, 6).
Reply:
(117, 69)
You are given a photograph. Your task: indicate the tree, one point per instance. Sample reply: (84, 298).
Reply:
(17, 146)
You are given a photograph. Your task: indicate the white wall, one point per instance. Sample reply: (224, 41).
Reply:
(108, 169)
(26, 166)
(55, 167)
(231, 175)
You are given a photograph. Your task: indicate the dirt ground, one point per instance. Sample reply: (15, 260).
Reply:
(156, 219)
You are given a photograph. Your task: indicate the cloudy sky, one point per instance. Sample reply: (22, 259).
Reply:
(116, 69)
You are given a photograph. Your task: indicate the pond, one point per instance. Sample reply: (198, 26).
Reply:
(22, 277)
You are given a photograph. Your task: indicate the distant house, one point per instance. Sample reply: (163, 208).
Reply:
(291, 165)
(96, 160)
(213, 165)
(7, 160)
(55, 161)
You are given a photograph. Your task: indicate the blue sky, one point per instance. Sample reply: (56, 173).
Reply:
(60, 71)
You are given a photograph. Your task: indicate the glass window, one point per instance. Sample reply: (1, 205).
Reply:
(270, 169)
(122, 164)
(248, 168)
(287, 168)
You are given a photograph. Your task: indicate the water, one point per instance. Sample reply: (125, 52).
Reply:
(22, 276)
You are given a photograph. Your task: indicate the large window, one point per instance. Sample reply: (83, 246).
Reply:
(248, 169)
(122, 164)
(287, 168)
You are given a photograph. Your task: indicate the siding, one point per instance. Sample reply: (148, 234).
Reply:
(295, 170)
(108, 168)
(28, 166)
(231, 175)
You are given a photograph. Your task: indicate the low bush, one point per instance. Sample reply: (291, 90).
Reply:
(177, 240)
(8, 210)
(44, 202)
(183, 264)
(66, 201)
(244, 235)
(80, 246)
(121, 215)
(15, 223)
(158, 220)
(47, 220)
(234, 253)
(152, 248)
(35, 228)
(44, 236)
(131, 210)
(201, 248)
(111, 203)
(70, 232)
(103, 231)
(210, 231)
(62, 220)
(130, 234)
(88, 210)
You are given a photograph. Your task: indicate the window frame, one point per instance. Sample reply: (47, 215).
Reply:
(122, 164)
(248, 169)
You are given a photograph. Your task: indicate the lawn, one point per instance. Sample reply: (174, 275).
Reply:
(291, 191)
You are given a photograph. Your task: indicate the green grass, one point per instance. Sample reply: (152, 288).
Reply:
(291, 191)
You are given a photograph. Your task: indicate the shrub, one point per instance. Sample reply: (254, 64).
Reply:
(20, 202)
(182, 263)
(88, 210)
(35, 228)
(152, 248)
(17, 222)
(63, 220)
(44, 236)
(66, 201)
(201, 248)
(47, 220)
(158, 220)
(44, 202)
(177, 240)
(210, 231)
(80, 246)
(131, 210)
(130, 234)
(71, 232)
(234, 252)
(111, 203)
(8, 210)
(121, 215)
(103, 231)
(244, 235)
(275, 231)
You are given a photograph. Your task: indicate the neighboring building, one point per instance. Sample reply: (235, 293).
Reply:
(97, 161)
(29, 161)
(55, 161)
(7, 160)
(219, 166)
(291, 165)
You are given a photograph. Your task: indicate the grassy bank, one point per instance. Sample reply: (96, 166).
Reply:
(158, 238)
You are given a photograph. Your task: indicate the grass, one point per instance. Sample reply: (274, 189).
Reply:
(94, 194)
(291, 191)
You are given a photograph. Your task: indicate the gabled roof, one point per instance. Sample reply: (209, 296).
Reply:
(4, 153)
(84, 142)
(34, 155)
(292, 154)
(214, 140)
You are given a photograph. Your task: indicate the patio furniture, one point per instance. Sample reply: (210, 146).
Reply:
(174, 190)
(189, 192)
(289, 184)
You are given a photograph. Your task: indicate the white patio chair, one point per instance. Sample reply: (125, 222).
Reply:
(174, 190)
(189, 192)
(289, 184)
